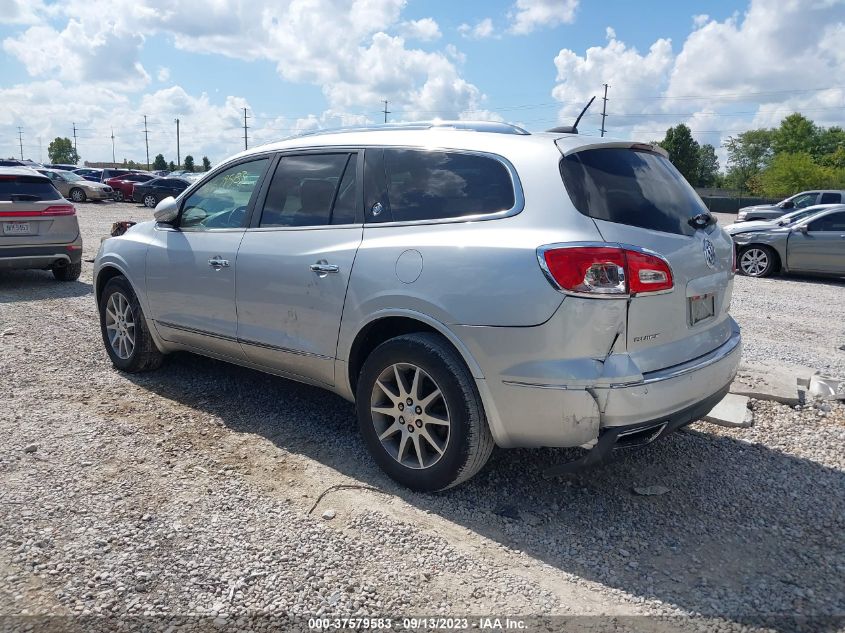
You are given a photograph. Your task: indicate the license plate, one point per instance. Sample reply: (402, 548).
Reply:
(16, 228)
(701, 308)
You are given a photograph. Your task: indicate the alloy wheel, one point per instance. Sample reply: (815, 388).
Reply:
(120, 325)
(77, 195)
(754, 262)
(410, 416)
(149, 201)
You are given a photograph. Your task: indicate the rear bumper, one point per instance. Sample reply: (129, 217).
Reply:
(40, 257)
(581, 408)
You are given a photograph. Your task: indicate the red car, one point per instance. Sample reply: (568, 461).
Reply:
(125, 184)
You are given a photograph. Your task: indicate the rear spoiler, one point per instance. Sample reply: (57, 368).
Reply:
(645, 147)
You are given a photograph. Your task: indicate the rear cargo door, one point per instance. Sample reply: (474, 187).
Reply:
(33, 212)
(637, 197)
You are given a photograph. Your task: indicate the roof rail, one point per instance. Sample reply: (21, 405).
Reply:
(494, 127)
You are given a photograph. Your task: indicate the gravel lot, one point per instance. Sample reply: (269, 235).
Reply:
(188, 490)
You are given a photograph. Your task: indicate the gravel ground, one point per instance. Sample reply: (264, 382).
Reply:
(189, 491)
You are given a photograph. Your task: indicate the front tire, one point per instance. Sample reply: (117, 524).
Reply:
(420, 413)
(118, 195)
(125, 334)
(77, 195)
(150, 201)
(757, 261)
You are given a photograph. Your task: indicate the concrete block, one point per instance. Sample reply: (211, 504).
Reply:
(780, 383)
(732, 411)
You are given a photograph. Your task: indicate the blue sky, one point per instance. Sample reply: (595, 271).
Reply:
(719, 66)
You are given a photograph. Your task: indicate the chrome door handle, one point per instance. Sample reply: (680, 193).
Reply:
(218, 262)
(323, 268)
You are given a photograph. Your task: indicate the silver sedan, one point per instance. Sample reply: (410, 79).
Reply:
(814, 244)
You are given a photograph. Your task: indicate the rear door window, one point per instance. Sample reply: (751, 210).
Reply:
(434, 185)
(831, 198)
(631, 186)
(312, 190)
(27, 189)
(832, 222)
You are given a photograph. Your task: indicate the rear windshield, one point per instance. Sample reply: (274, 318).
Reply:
(633, 187)
(27, 189)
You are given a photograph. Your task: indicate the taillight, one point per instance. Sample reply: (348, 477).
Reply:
(605, 270)
(52, 210)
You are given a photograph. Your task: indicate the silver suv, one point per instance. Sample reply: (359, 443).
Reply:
(38, 227)
(467, 285)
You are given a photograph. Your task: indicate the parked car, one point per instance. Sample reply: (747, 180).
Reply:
(813, 245)
(786, 218)
(89, 173)
(151, 192)
(798, 201)
(161, 172)
(124, 185)
(109, 173)
(61, 167)
(38, 227)
(13, 162)
(509, 288)
(75, 187)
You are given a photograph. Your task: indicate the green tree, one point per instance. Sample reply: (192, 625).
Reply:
(683, 151)
(796, 134)
(206, 164)
(748, 154)
(708, 166)
(171, 166)
(61, 151)
(791, 173)
(830, 140)
(189, 163)
(159, 163)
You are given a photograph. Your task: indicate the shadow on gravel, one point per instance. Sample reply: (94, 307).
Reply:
(810, 279)
(33, 285)
(743, 527)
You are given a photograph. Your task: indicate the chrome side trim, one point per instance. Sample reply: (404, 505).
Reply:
(242, 341)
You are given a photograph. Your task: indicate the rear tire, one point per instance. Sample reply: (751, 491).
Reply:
(429, 433)
(118, 195)
(77, 195)
(68, 272)
(128, 341)
(150, 201)
(756, 261)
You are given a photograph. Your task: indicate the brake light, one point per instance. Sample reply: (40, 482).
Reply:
(52, 210)
(605, 270)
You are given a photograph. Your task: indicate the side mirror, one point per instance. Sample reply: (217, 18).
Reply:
(167, 211)
(802, 229)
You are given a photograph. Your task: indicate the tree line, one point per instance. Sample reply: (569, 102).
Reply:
(772, 162)
(61, 152)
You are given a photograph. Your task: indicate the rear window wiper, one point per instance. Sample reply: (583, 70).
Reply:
(701, 221)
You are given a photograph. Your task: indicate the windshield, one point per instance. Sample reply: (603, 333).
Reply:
(793, 217)
(71, 177)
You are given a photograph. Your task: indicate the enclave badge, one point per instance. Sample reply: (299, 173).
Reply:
(709, 253)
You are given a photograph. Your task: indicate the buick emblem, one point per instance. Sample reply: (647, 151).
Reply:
(709, 253)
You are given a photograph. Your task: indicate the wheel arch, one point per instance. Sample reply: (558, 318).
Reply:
(385, 326)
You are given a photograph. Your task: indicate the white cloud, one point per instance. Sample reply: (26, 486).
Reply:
(750, 70)
(163, 74)
(482, 29)
(20, 11)
(528, 15)
(424, 30)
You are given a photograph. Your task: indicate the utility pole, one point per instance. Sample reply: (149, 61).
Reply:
(75, 151)
(40, 151)
(245, 129)
(604, 110)
(20, 139)
(178, 154)
(386, 111)
(113, 159)
(147, 142)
